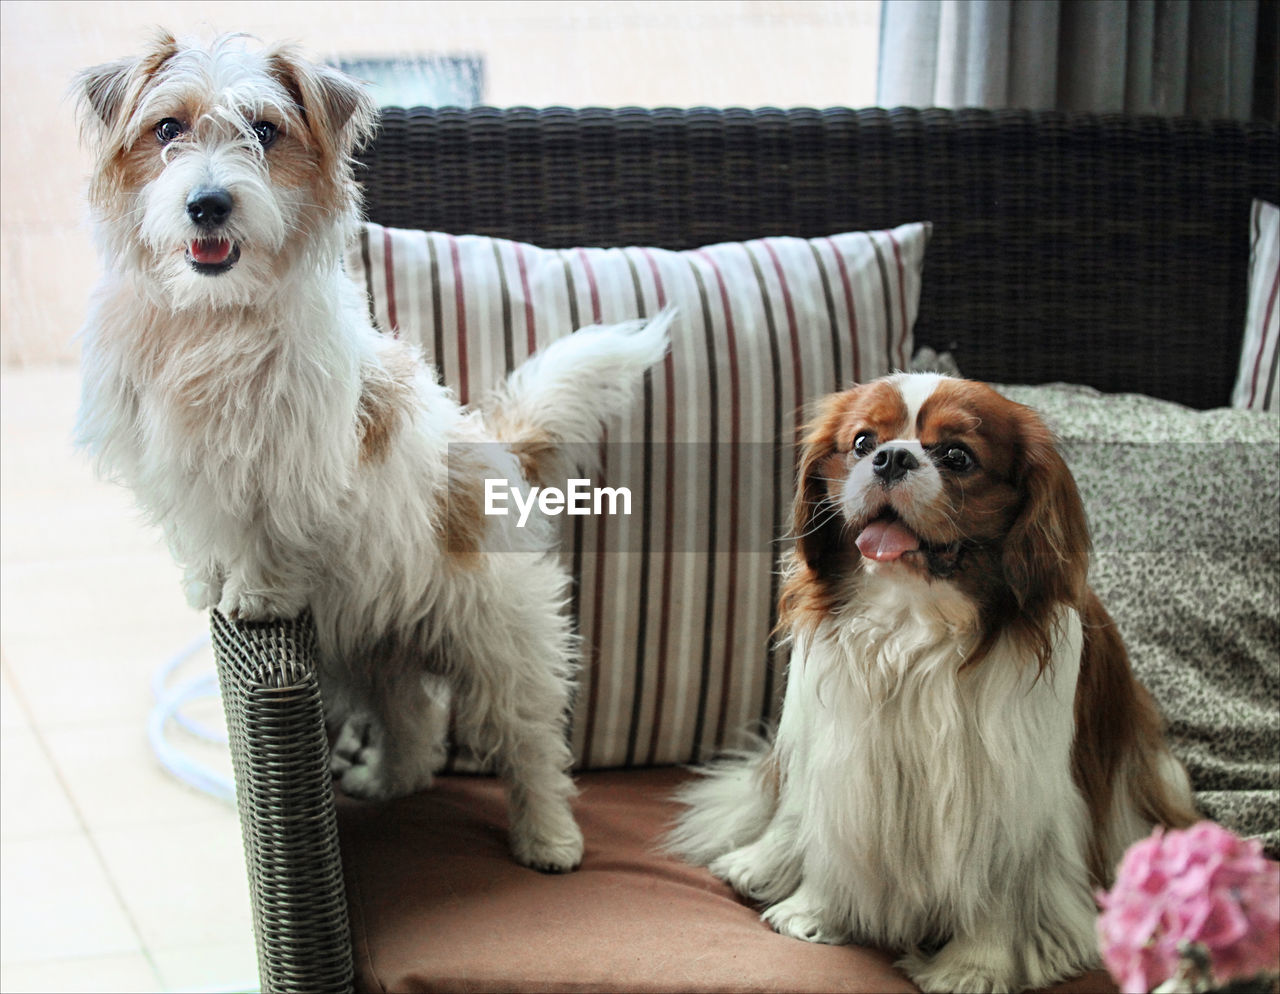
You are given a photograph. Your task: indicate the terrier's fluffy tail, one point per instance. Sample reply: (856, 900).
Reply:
(729, 805)
(552, 409)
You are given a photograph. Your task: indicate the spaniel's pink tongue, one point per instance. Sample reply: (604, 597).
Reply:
(210, 251)
(885, 541)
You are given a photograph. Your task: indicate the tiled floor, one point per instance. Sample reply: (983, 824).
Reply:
(114, 874)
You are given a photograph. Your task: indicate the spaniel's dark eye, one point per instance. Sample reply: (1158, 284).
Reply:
(956, 458)
(864, 444)
(170, 129)
(265, 132)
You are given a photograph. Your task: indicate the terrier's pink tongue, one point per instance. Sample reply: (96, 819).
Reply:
(885, 541)
(210, 251)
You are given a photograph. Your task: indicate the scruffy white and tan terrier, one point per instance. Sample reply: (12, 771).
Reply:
(296, 458)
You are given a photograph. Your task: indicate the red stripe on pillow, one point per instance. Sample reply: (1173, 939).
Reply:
(389, 271)
(793, 333)
(904, 358)
(1266, 323)
(460, 301)
(592, 286)
(530, 323)
(850, 309)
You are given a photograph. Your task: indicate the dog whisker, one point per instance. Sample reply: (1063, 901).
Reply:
(820, 520)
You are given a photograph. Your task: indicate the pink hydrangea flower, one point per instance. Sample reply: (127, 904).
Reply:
(1201, 885)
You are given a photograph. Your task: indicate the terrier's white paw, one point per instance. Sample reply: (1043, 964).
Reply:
(799, 919)
(203, 592)
(241, 604)
(549, 852)
(357, 760)
(756, 875)
(544, 835)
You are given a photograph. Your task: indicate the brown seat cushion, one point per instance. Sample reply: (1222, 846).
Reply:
(438, 905)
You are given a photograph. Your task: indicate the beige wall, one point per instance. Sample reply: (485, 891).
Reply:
(655, 53)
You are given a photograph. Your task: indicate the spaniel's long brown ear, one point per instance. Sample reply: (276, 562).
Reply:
(1046, 554)
(816, 520)
(819, 557)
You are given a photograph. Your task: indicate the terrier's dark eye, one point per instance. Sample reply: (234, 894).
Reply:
(956, 458)
(864, 444)
(265, 131)
(170, 129)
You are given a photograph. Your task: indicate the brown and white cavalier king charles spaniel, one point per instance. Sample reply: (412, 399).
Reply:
(964, 752)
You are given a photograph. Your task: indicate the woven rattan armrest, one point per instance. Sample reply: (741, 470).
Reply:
(280, 756)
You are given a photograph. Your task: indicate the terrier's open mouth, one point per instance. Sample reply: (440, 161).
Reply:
(211, 256)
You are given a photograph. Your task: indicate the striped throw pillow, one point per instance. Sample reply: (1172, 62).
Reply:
(676, 601)
(1260, 354)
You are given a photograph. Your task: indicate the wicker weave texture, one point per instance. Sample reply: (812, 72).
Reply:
(280, 757)
(1104, 250)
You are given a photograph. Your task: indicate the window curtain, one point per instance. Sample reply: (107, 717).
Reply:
(1202, 58)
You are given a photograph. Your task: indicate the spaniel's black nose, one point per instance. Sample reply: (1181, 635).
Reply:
(891, 463)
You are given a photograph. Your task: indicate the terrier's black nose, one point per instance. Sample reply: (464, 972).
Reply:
(891, 463)
(209, 207)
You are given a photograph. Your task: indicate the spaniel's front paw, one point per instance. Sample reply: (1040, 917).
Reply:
(938, 974)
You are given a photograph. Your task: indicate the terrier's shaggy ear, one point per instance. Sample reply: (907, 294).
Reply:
(337, 110)
(102, 88)
(105, 90)
(337, 116)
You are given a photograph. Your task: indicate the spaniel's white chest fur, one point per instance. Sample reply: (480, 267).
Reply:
(918, 778)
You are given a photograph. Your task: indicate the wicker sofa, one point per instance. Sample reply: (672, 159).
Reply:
(1104, 252)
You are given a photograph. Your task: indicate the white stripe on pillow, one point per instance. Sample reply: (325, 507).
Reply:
(677, 602)
(1255, 387)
